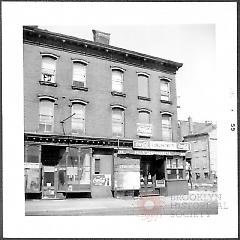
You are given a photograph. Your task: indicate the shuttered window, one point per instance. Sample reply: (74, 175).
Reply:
(117, 122)
(165, 90)
(166, 127)
(143, 86)
(78, 119)
(117, 81)
(144, 117)
(79, 74)
(46, 116)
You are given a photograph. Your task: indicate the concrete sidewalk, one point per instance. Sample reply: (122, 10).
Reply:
(140, 204)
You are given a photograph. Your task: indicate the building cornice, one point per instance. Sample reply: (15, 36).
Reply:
(40, 37)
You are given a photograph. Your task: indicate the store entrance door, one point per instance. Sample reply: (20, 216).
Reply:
(147, 175)
(49, 182)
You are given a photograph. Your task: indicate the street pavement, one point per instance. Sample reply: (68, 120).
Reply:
(196, 203)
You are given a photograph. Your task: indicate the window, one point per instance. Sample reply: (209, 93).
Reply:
(206, 174)
(144, 117)
(79, 74)
(46, 115)
(197, 175)
(118, 122)
(97, 165)
(143, 85)
(78, 119)
(117, 80)
(32, 153)
(78, 167)
(165, 89)
(174, 168)
(166, 127)
(144, 127)
(48, 68)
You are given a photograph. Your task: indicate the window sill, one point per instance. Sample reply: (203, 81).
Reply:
(174, 180)
(144, 98)
(115, 93)
(79, 88)
(166, 101)
(48, 83)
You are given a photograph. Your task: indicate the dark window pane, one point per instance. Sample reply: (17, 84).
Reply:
(33, 153)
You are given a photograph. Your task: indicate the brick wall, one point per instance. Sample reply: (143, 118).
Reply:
(98, 110)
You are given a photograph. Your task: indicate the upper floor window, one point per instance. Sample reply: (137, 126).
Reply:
(78, 117)
(46, 115)
(143, 85)
(118, 122)
(48, 68)
(165, 89)
(79, 73)
(117, 80)
(144, 127)
(166, 127)
(144, 117)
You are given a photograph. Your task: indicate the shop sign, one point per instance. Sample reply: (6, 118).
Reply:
(149, 152)
(101, 180)
(160, 183)
(144, 129)
(127, 173)
(160, 145)
(32, 165)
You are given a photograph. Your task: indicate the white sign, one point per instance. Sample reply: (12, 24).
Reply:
(32, 165)
(144, 129)
(161, 145)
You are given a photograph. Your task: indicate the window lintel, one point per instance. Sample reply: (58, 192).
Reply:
(165, 79)
(117, 106)
(117, 68)
(45, 54)
(75, 60)
(144, 110)
(143, 74)
(47, 97)
(166, 113)
(79, 101)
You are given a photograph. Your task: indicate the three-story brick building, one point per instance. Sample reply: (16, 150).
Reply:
(99, 119)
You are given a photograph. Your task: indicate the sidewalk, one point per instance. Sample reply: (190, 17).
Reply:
(137, 204)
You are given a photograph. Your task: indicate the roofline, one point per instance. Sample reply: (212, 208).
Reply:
(196, 135)
(103, 46)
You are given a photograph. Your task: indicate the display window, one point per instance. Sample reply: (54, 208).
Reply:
(175, 167)
(78, 166)
(32, 179)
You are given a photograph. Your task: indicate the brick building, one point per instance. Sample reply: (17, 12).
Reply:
(202, 156)
(98, 119)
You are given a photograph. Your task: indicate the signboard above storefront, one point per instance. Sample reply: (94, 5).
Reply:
(161, 145)
(150, 152)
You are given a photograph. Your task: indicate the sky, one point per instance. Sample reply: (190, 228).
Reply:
(194, 45)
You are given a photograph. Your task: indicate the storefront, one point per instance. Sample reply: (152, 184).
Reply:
(145, 168)
(159, 166)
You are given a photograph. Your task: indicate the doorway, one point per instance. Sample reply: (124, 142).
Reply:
(49, 182)
(50, 157)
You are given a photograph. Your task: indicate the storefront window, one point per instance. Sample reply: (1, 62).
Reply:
(85, 157)
(32, 179)
(78, 166)
(175, 168)
(32, 153)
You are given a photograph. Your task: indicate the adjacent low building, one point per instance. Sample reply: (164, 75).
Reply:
(99, 120)
(202, 157)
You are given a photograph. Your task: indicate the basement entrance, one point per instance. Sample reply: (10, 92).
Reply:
(50, 157)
